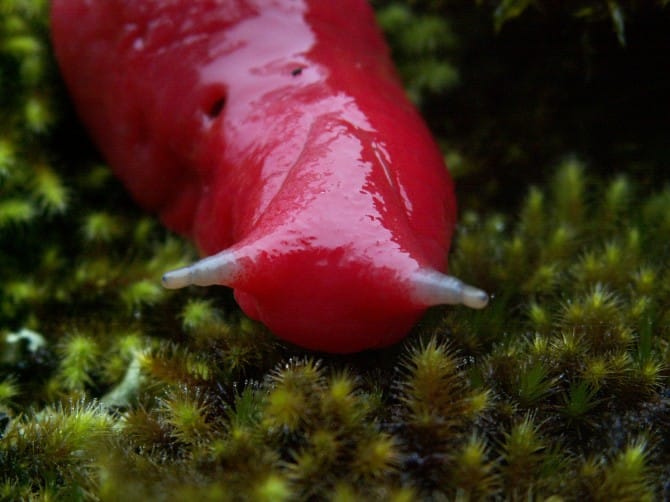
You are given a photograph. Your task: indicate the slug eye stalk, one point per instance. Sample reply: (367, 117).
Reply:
(434, 288)
(216, 269)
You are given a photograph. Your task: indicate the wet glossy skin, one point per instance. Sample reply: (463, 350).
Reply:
(278, 128)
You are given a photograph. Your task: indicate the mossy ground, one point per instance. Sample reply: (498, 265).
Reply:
(554, 123)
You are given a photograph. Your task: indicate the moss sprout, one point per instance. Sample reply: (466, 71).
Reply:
(102, 227)
(533, 384)
(622, 477)
(474, 475)
(185, 411)
(524, 453)
(79, 360)
(423, 41)
(435, 391)
(273, 488)
(199, 314)
(143, 292)
(16, 211)
(9, 389)
(579, 400)
(37, 114)
(52, 450)
(376, 457)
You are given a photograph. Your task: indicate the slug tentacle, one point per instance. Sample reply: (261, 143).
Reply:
(220, 268)
(434, 288)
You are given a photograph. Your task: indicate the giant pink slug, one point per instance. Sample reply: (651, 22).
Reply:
(276, 135)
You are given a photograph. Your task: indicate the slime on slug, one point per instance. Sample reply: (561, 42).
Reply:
(276, 135)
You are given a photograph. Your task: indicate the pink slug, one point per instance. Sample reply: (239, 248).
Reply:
(276, 135)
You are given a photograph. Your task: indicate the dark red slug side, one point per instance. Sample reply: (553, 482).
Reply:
(275, 133)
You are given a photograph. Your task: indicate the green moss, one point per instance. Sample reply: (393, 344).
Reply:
(51, 451)
(420, 43)
(113, 388)
(622, 477)
(79, 357)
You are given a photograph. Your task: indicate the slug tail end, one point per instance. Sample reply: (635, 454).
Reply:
(216, 269)
(434, 288)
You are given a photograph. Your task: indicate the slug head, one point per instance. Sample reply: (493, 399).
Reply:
(327, 299)
(333, 260)
(324, 300)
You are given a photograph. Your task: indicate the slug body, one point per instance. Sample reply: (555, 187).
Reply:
(276, 135)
